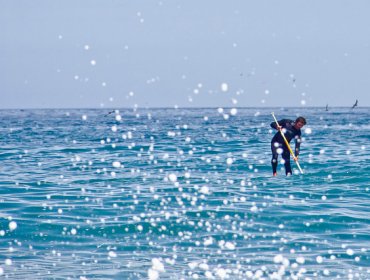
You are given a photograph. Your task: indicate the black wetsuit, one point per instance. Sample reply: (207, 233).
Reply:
(277, 141)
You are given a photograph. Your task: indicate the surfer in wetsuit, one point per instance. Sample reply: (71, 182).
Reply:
(291, 129)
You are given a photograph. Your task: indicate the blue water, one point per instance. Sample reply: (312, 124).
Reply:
(182, 194)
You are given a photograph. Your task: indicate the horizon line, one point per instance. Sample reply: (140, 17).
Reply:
(177, 108)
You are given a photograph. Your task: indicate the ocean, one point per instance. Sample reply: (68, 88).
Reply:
(182, 194)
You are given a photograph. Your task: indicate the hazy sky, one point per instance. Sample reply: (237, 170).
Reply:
(79, 53)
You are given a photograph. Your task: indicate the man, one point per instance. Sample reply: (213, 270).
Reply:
(291, 129)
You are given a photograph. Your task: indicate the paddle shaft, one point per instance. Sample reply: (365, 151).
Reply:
(287, 144)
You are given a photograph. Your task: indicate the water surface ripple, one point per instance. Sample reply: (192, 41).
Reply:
(182, 194)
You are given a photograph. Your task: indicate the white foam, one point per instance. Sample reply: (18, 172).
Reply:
(12, 225)
(153, 274)
(350, 252)
(172, 177)
(112, 254)
(204, 190)
(233, 111)
(278, 258)
(157, 265)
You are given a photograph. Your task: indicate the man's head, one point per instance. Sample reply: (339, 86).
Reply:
(299, 122)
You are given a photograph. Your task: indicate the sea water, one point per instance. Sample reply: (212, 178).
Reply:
(182, 194)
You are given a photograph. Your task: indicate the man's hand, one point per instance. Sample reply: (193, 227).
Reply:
(296, 158)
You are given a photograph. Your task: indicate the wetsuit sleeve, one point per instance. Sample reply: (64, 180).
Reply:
(297, 144)
(281, 123)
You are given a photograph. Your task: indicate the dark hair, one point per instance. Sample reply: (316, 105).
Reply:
(301, 119)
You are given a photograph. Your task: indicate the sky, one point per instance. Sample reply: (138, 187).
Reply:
(188, 53)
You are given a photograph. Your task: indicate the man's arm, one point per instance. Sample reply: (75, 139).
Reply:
(297, 145)
(282, 123)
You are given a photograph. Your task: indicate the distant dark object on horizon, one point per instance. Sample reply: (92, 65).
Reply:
(355, 105)
(109, 113)
(327, 107)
